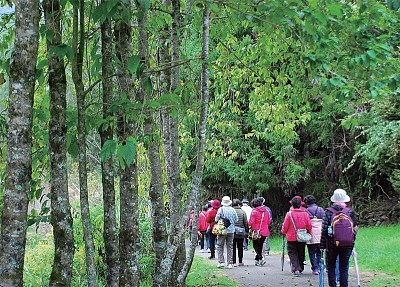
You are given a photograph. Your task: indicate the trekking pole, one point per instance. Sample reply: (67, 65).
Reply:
(354, 253)
(283, 251)
(322, 270)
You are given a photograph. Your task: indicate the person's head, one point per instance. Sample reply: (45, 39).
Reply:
(299, 198)
(226, 201)
(340, 196)
(215, 204)
(236, 202)
(205, 207)
(309, 199)
(256, 202)
(245, 201)
(262, 199)
(296, 202)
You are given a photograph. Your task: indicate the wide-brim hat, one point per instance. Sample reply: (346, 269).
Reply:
(215, 204)
(226, 201)
(340, 195)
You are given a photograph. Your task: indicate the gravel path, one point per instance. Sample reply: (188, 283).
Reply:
(271, 274)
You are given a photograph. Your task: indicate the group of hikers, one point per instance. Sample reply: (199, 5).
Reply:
(232, 223)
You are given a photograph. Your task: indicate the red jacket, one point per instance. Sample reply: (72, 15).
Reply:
(211, 216)
(256, 217)
(203, 225)
(302, 220)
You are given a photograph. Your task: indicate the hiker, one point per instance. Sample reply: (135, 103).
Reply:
(202, 228)
(316, 214)
(296, 218)
(189, 224)
(339, 228)
(241, 231)
(215, 204)
(266, 246)
(226, 211)
(247, 209)
(259, 222)
(302, 205)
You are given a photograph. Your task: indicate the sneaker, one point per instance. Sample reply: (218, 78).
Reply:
(262, 262)
(202, 250)
(296, 273)
(266, 253)
(208, 250)
(229, 266)
(235, 265)
(315, 273)
(240, 264)
(221, 265)
(211, 257)
(257, 262)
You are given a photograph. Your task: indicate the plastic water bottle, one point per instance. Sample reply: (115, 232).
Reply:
(330, 230)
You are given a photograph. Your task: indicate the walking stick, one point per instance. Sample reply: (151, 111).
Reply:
(356, 266)
(322, 270)
(283, 251)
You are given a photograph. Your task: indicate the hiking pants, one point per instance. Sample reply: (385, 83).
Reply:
(344, 256)
(213, 237)
(238, 244)
(222, 239)
(296, 251)
(258, 245)
(315, 256)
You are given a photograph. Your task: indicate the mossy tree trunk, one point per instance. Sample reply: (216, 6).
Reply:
(110, 234)
(129, 245)
(61, 218)
(19, 143)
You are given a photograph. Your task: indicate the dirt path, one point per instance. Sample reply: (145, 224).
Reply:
(271, 275)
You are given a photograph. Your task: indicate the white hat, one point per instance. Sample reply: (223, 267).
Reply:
(340, 195)
(226, 201)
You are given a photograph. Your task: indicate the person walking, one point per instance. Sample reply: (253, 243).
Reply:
(267, 246)
(316, 214)
(202, 228)
(296, 218)
(215, 205)
(247, 209)
(226, 211)
(241, 231)
(339, 229)
(259, 220)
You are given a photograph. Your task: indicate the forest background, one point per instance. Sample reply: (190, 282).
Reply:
(119, 117)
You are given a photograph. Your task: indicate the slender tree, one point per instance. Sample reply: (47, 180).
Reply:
(78, 45)
(129, 245)
(19, 143)
(61, 218)
(106, 134)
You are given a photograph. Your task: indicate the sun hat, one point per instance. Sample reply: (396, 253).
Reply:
(215, 204)
(226, 201)
(340, 195)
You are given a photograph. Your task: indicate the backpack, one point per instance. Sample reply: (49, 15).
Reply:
(342, 226)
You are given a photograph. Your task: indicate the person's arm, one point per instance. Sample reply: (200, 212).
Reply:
(285, 225)
(324, 232)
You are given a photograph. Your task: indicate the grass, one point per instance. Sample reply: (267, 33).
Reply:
(204, 273)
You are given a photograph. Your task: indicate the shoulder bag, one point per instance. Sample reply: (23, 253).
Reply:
(301, 234)
(256, 234)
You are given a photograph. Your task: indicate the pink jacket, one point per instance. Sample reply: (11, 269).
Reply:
(256, 217)
(203, 225)
(302, 220)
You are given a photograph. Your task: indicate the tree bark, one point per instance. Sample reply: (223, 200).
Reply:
(19, 143)
(129, 244)
(61, 218)
(106, 133)
(201, 145)
(78, 48)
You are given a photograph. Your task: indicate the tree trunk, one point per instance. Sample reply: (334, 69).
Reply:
(80, 103)
(19, 143)
(61, 218)
(129, 244)
(201, 146)
(106, 133)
